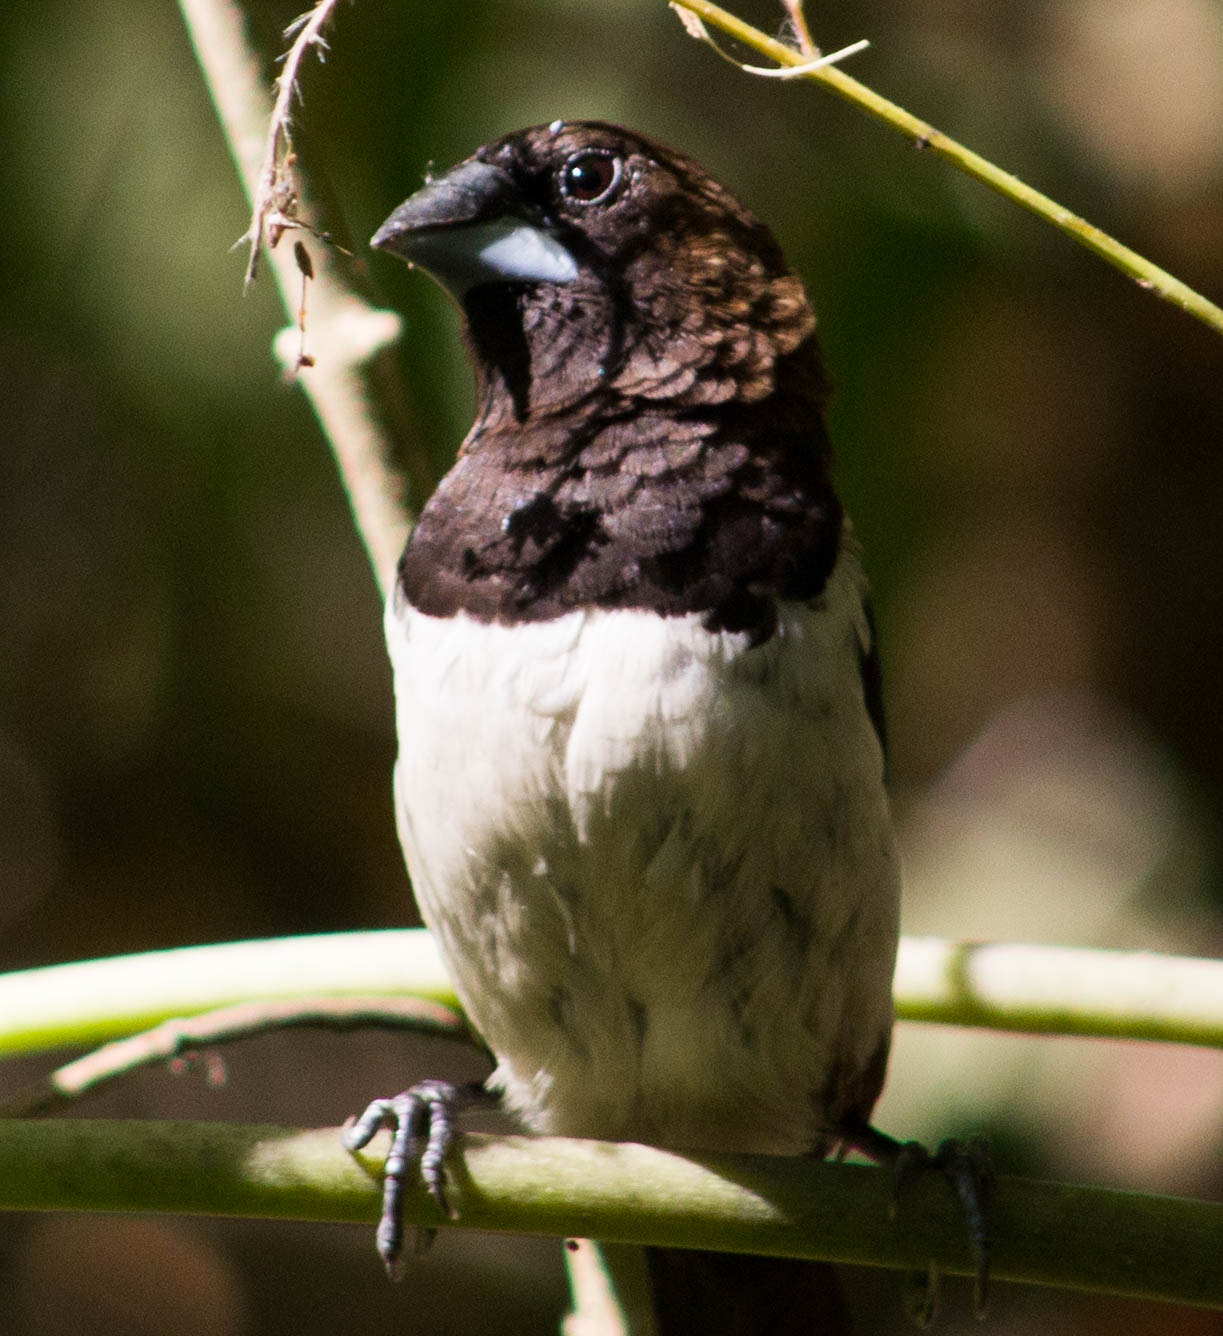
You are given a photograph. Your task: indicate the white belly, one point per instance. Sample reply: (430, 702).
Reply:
(659, 865)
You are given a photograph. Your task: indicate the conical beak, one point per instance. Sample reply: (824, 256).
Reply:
(470, 226)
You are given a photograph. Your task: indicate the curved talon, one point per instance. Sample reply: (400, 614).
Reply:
(437, 1111)
(922, 1296)
(359, 1132)
(968, 1168)
(423, 1123)
(911, 1160)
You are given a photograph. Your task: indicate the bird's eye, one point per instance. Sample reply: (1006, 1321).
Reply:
(589, 177)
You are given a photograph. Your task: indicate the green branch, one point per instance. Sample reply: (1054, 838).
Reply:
(926, 137)
(1001, 986)
(1062, 990)
(1046, 1233)
(67, 1006)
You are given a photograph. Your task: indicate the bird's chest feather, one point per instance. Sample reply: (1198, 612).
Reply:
(658, 862)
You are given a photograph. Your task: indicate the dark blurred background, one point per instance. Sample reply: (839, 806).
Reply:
(195, 720)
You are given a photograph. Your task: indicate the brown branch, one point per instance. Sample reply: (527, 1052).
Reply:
(181, 1039)
(350, 375)
(276, 190)
(798, 21)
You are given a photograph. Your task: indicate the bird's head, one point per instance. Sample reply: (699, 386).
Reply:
(600, 269)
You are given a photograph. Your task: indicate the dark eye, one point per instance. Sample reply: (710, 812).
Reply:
(588, 177)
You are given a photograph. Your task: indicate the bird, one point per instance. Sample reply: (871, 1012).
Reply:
(640, 786)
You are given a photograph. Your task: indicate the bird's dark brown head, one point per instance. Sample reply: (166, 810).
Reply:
(650, 383)
(595, 264)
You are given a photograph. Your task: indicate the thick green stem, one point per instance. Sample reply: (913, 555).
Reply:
(1001, 986)
(1046, 1233)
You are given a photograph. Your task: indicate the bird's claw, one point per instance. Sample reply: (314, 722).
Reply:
(423, 1122)
(968, 1167)
(921, 1295)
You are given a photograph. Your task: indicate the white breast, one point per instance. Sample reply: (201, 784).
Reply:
(659, 864)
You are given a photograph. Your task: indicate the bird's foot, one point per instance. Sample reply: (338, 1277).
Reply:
(968, 1167)
(423, 1121)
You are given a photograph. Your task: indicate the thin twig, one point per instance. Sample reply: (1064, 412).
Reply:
(177, 1039)
(698, 30)
(276, 191)
(925, 136)
(354, 382)
(798, 22)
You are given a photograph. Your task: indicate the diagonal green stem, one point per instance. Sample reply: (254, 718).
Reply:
(925, 136)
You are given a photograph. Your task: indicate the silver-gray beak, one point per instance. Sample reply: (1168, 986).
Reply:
(470, 226)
